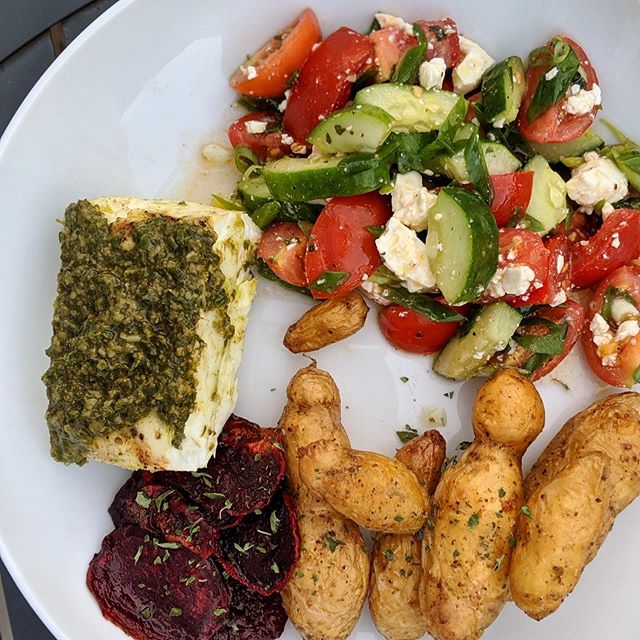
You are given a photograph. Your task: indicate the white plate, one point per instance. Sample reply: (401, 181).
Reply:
(124, 111)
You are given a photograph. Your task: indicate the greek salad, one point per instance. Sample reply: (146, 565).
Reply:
(469, 197)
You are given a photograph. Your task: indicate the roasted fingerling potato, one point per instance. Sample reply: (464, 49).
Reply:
(329, 586)
(466, 554)
(396, 566)
(585, 477)
(328, 322)
(376, 492)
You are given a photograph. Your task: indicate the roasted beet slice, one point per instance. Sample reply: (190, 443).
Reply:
(252, 616)
(263, 549)
(244, 476)
(155, 590)
(163, 510)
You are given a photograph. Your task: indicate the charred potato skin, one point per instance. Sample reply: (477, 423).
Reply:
(378, 493)
(567, 521)
(466, 555)
(329, 586)
(396, 563)
(328, 322)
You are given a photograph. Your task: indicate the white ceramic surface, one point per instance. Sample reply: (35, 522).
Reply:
(124, 111)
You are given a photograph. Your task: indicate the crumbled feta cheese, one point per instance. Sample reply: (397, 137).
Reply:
(559, 263)
(468, 74)
(601, 330)
(411, 201)
(622, 310)
(388, 20)
(596, 179)
(432, 73)
(286, 139)
(406, 255)
(498, 124)
(627, 329)
(374, 291)
(255, 126)
(551, 74)
(607, 210)
(615, 240)
(559, 298)
(512, 280)
(580, 101)
(251, 72)
(283, 105)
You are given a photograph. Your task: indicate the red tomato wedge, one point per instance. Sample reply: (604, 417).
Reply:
(340, 241)
(282, 246)
(555, 124)
(411, 331)
(267, 145)
(614, 245)
(325, 80)
(520, 247)
(557, 285)
(266, 72)
(621, 366)
(511, 195)
(390, 44)
(573, 314)
(443, 40)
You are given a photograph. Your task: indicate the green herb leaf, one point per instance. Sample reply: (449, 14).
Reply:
(448, 394)
(551, 90)
(166, 545)
(329, 281)
(456, 553)
(398, 518)
(384, 277)
(214, 496)
(407, 70)
(162, 497)
(274, 522)
(408, 434)
(550, 344)
(636, 375)
(562, 383)
(388, 554)
(513, 541)
(244, 548)
(404, 379)
(501, 493)
(473, 521)
(498, 563)
(525, 511)
(376, 231)
(477, 166)
(143, 499)
(423, 304)
(137, 556)
(244, 158)
(291, 80)
(463, 446)
(610, 295)
(146, 613)
(275, 568)
(218, 612)
(332, 543)
(258, 104)
(444, 140)
(410, 148)
(223, 203)
(175, 612)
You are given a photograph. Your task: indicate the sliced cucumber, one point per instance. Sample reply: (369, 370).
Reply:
(502, 90)
(254, 191)
(462, 244)
(412, 108)
(362, 128)
(556, 151)
(478, 339)
(548, 204)
(304, 179)
(498, 158)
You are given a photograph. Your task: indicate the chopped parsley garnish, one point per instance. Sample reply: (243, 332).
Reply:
(275, 568)
(473, 521)
(244, 548)
(404, 379)
(175, 612)
(525, 511)
(501, 493)
(398, 518)
(137, 556)
(274, 522)
(409, 433)
(218, 612)
(388, 554)
(143, 499)
(146, 613)
(332, 542)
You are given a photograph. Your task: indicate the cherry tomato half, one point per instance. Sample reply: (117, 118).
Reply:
(340, 241)
(624, 354)
(267, 145)
(614, 245)
(265, 73)
(555, 124)
(524, 248)
(325, 80)
(511, 195)
(282, 246)
(443, 40)
(557, 284)
(413, 332)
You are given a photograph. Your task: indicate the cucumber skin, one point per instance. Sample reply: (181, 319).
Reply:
(254, 192)
(456, 360)
(499, 101)
(454, 167)
(311, 184)
(484, 261)
(555, 151)
(327, 140)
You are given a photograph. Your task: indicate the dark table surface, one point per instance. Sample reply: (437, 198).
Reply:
(32, 34)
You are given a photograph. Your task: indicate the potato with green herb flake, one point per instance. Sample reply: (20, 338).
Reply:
(466, 554)
(329, 585)
(396, 566)
(585, 477)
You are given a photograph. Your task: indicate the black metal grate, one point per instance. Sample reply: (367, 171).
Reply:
(32, 34)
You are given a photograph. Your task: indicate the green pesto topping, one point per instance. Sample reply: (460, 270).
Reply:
(124, 325)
